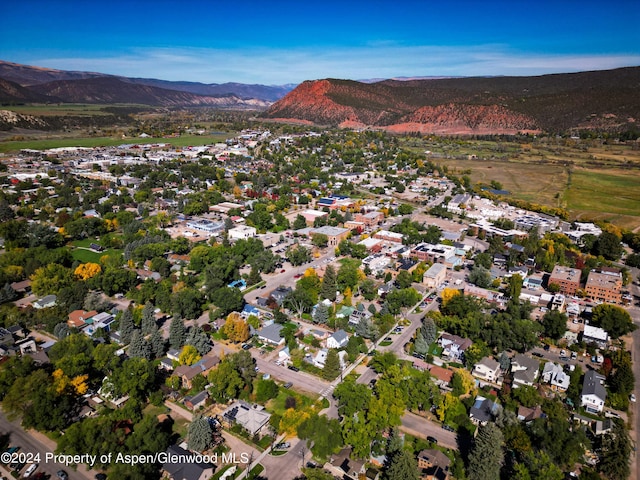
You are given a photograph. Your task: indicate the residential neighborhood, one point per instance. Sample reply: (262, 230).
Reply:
(313, 300)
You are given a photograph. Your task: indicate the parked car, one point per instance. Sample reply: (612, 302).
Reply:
(246, 346)
(282, 446)
(62, 475)
(448, 428)
(288, 385)
(632, 397)
(294, 368)
(432, 439)
(30, 470)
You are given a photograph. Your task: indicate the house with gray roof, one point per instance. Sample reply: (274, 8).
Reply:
(45, 302)
(484, 411)
(271, 334)
(524, 370)
(184, 470)
(338, 340)
(593, 392)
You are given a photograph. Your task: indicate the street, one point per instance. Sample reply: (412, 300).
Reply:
(36, 443)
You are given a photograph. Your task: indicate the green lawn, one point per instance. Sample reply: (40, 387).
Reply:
(276, 405)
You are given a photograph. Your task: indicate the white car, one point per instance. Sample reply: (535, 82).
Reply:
(633, 397)
(30, 470)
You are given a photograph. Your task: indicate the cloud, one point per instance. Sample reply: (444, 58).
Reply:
(382, 60)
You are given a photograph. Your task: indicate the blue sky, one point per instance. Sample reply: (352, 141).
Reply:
(277, 42)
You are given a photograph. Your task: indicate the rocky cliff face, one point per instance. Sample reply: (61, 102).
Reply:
(608, 100)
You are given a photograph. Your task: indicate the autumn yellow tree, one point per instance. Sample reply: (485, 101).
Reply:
(76, 385)
(88, 270)
(235, 328)
(448, 294)
(291, 420)
(189, 355)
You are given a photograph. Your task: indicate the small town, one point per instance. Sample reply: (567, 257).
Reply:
(305, 300)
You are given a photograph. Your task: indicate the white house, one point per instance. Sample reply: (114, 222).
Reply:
(593, 392)
(486, 369)
(555, 375)
(242, 232)
(596, 335)
(338, 340)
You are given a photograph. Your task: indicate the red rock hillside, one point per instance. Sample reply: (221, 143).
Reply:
(603, 100)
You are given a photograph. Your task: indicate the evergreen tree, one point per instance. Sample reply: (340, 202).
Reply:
(139, 346)
(321, 314)
(126, 327)
(7, 293)
(198, 339)
(331, 365)
(329, 284)
(200, 434)
(148, 322)
(616, 452)
(367, 329)
(157, 343)
(486, 454)
(254, 276)
(61, 330)
(428, 330)
(177, 333)
(420, 345)
(403, 467)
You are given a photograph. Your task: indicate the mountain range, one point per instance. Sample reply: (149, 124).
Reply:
(29, 84)
(606, 100)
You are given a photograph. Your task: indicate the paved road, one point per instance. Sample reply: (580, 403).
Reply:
(35, 442)
(423, 428)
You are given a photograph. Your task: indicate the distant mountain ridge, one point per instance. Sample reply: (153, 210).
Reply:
(92, 87)
(607, 100)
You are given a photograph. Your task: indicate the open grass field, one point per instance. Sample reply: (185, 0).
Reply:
(84, 255)
(57, 142)
(75, 109)
(592, 180)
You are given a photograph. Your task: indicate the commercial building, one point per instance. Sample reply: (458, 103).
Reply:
(604, 285)
(568, 279)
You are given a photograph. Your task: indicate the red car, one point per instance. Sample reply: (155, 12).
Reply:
(282, 271)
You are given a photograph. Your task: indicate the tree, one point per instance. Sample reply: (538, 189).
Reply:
(157, 344)
(189, 355)
(615, 453)
(321, 315)
(404, 279)
(420, 345)
(177, 332)
(228, 299)
(199, 340)
(486, 456)
(480, 276)
(299, 300)
(320, 240)
(139, 346)
(50, 279)
(428, 330)
(514, 286)
(367, 329)
(324, 433)
(61, 330)
(615, 320)
(200, 434)
(403, 467)
(329, 284)
(148, 321)
(299, 222)
(331, 365)
(554, 324)
(266, 390)
(235, 328)
(608, 245)
(126, 327)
